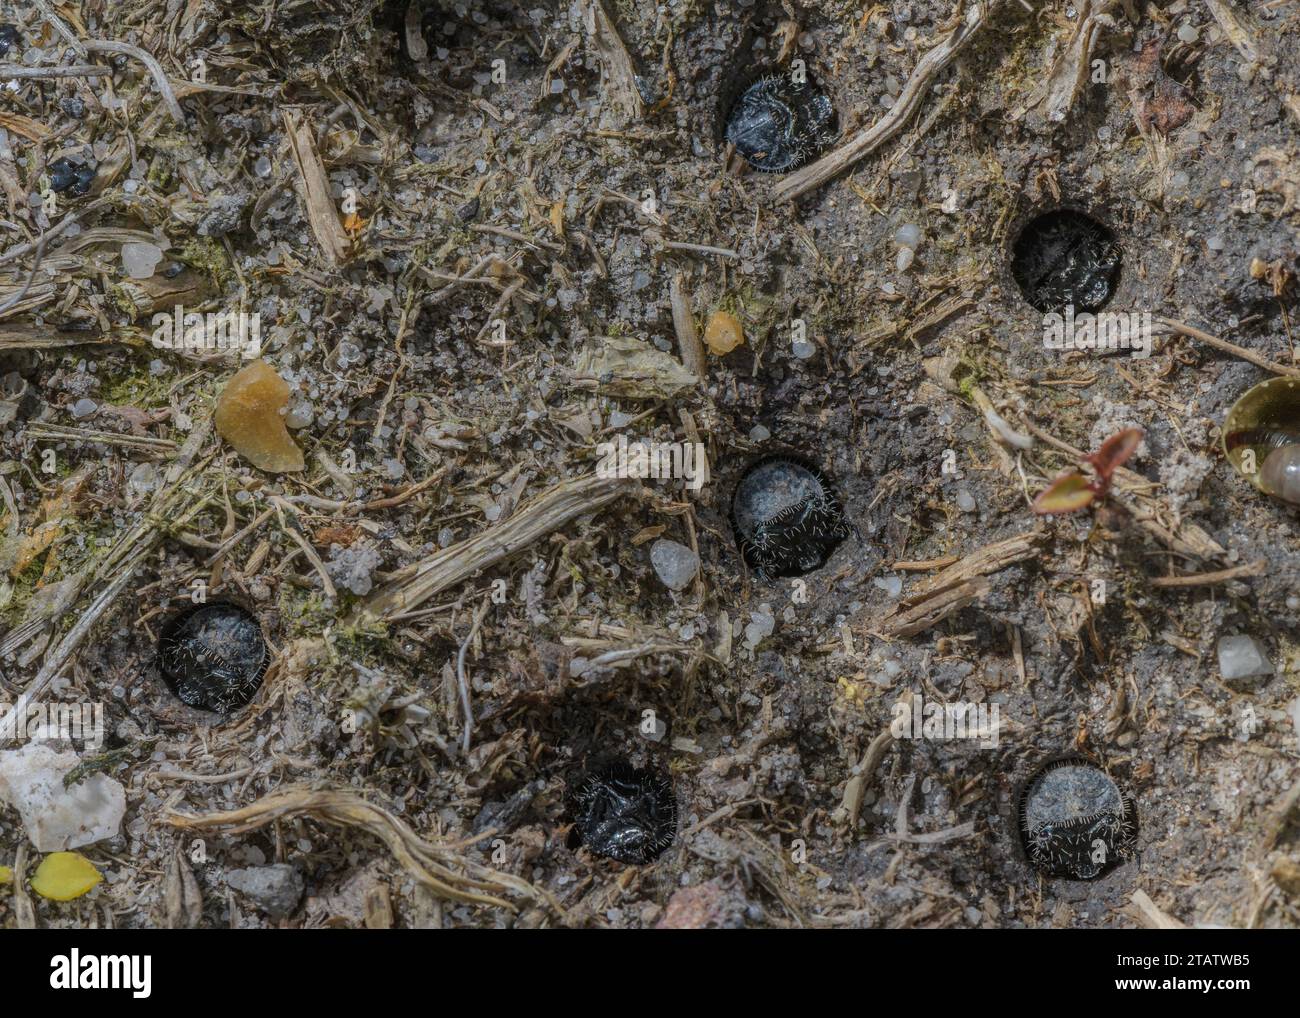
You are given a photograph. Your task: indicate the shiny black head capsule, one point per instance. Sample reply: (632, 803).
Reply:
(9, 38)
(778, 124)
(1075, 822)
(625, 813)
(1065, 258)
(213, 656)
(786, 518)
(70, 175)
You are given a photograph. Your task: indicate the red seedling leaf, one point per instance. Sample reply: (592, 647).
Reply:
(1114, 451)
(1069, 493)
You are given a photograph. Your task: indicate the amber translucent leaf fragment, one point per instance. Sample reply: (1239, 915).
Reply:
(248, 417)
(1067, 494)
(723, 333)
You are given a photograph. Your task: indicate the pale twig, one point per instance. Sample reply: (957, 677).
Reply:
(47, 12)
(681, 245)
(464, 682)
(1226, 347)
(151, 62)
(1256, 568)
(909, 100)
(411, 586)
(12, 71)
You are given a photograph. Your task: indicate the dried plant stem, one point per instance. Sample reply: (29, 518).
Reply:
(14, 71)
(151, 62)
(909, 101)
(464, 682)
(47, 12)
(1222, 344)
(432, 863)
(546, 513)
(688, 337)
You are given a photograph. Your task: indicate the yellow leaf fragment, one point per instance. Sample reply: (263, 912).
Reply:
(62, 876)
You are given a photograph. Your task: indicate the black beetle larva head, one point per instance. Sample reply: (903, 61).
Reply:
(1261, 437)
(1074, 821)
(780, 121)
(213, 656)
(786, 517)
(1065, 257)
(624, 813)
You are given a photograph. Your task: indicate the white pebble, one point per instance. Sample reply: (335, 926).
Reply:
(140, 260)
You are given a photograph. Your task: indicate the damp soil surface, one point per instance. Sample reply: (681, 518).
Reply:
(463, 227)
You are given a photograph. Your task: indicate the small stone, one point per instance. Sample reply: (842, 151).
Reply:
(144, 480)
(908, 235)
(300, 415)
(675, 563)
(891, 585)
(275, 890)
(758, 433)
(58, 818)
(903, 260)
(802, 349)
(1188, 34)
(965, 501)
(224, 215)
(758, 630)
(84, 408)
(140, 260)
(1215, 243)
(1242, 657)
(723, 333)
(353, 567)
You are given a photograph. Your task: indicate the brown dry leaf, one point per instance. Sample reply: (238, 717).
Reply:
(647, 534)
(1169, 110)
(341, 535)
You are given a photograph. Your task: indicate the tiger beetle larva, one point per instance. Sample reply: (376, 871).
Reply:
(1066, 258)
(625, 813)
(786, 517)
(1261, 437)
(1075, 822)
(213, 656)
(780, 123)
